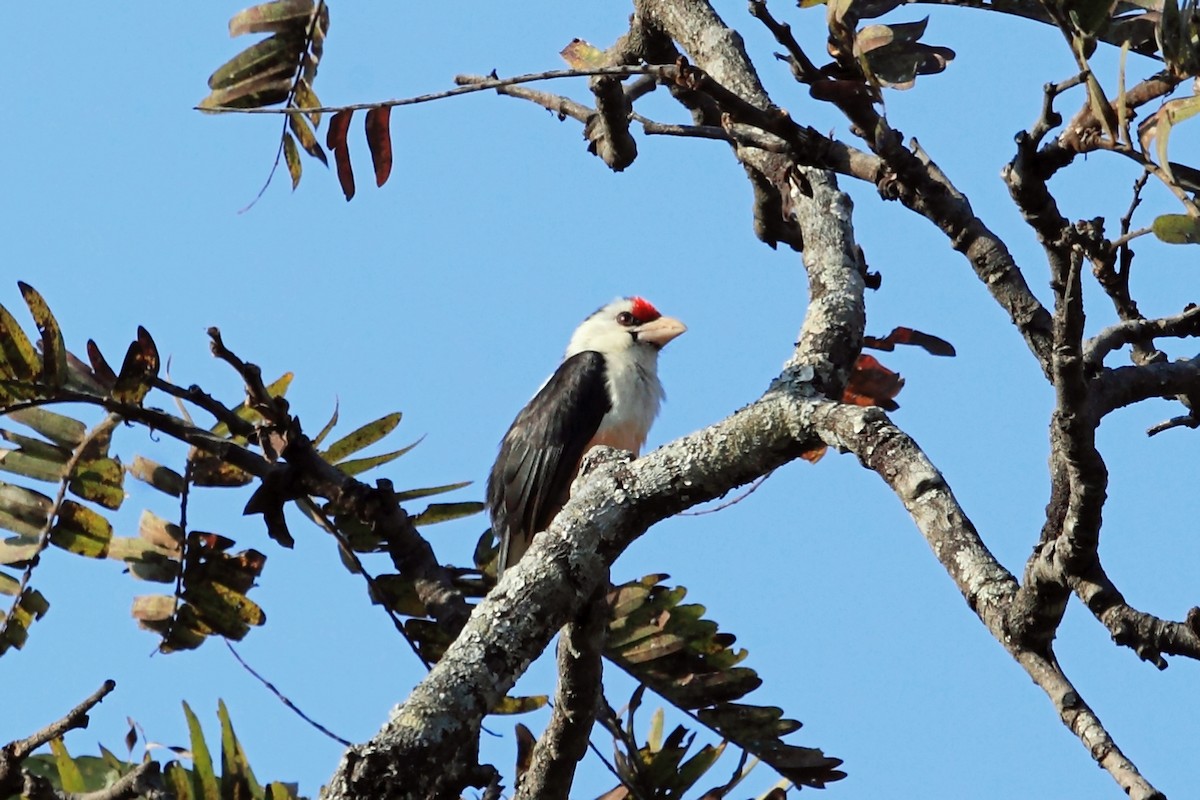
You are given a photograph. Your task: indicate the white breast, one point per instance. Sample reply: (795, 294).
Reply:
(636, 396)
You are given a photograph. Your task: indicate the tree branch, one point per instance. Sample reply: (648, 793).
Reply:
(579, 693)
(14, 753)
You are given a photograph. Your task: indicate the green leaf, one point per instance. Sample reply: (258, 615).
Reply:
(204, 779)
(30, 607)
(54, 352)
(444, 512)
(414, 494)
(80, 530)
(274, 17)
(257, 91)
(520, 705)
(70, 779)
(237, 779)
(328, 427)
(1177, 229)
(59, 429)
(99, 480)
(357, 466)
(277, 388)
(695, 767)
(363, 437)
(261, 57)
(179, 781)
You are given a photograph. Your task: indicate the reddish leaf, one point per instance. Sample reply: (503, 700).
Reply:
(814, 455)
(335, 137)
(379, 139)
(872, 384)
(932, 344)
(335, 140)
(104, 373)
(525, 742)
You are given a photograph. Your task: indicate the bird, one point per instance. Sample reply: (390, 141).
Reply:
(606, 391)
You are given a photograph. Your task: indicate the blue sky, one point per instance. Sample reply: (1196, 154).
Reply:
(450, 294)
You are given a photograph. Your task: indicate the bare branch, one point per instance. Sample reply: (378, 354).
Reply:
(15, 752)
(1181, 325)
(484, 85)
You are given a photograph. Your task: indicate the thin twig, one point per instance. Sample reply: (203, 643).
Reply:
(318, 516)
(184, 550)
(739, 498)
(661, 71)
(296, 78)
(283, 698)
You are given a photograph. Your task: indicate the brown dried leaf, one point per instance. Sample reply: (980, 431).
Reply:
(379, 140)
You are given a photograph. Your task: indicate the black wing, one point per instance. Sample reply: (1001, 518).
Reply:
(540, 454)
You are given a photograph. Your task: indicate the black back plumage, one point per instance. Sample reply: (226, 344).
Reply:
(531, 479)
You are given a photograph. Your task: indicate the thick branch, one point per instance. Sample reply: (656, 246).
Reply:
(986, 585)
(579, 693)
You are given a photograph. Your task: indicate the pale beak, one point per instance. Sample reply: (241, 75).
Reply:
(660, 331)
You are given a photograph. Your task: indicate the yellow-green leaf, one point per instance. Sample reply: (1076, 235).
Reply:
(363, 437)
(291, 157)
(1177, 229)
(257, 91)
(305, 97)
(357, 466)
(204, 778)
(100, 480)
(413, 494)
(54, 352)
(237, 779)
(521, 705)
(17, 356)
(69, 776)
(306, 137)
(80, 530)
(444, 512)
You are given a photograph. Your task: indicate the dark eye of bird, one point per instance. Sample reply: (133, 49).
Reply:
(625, 318)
